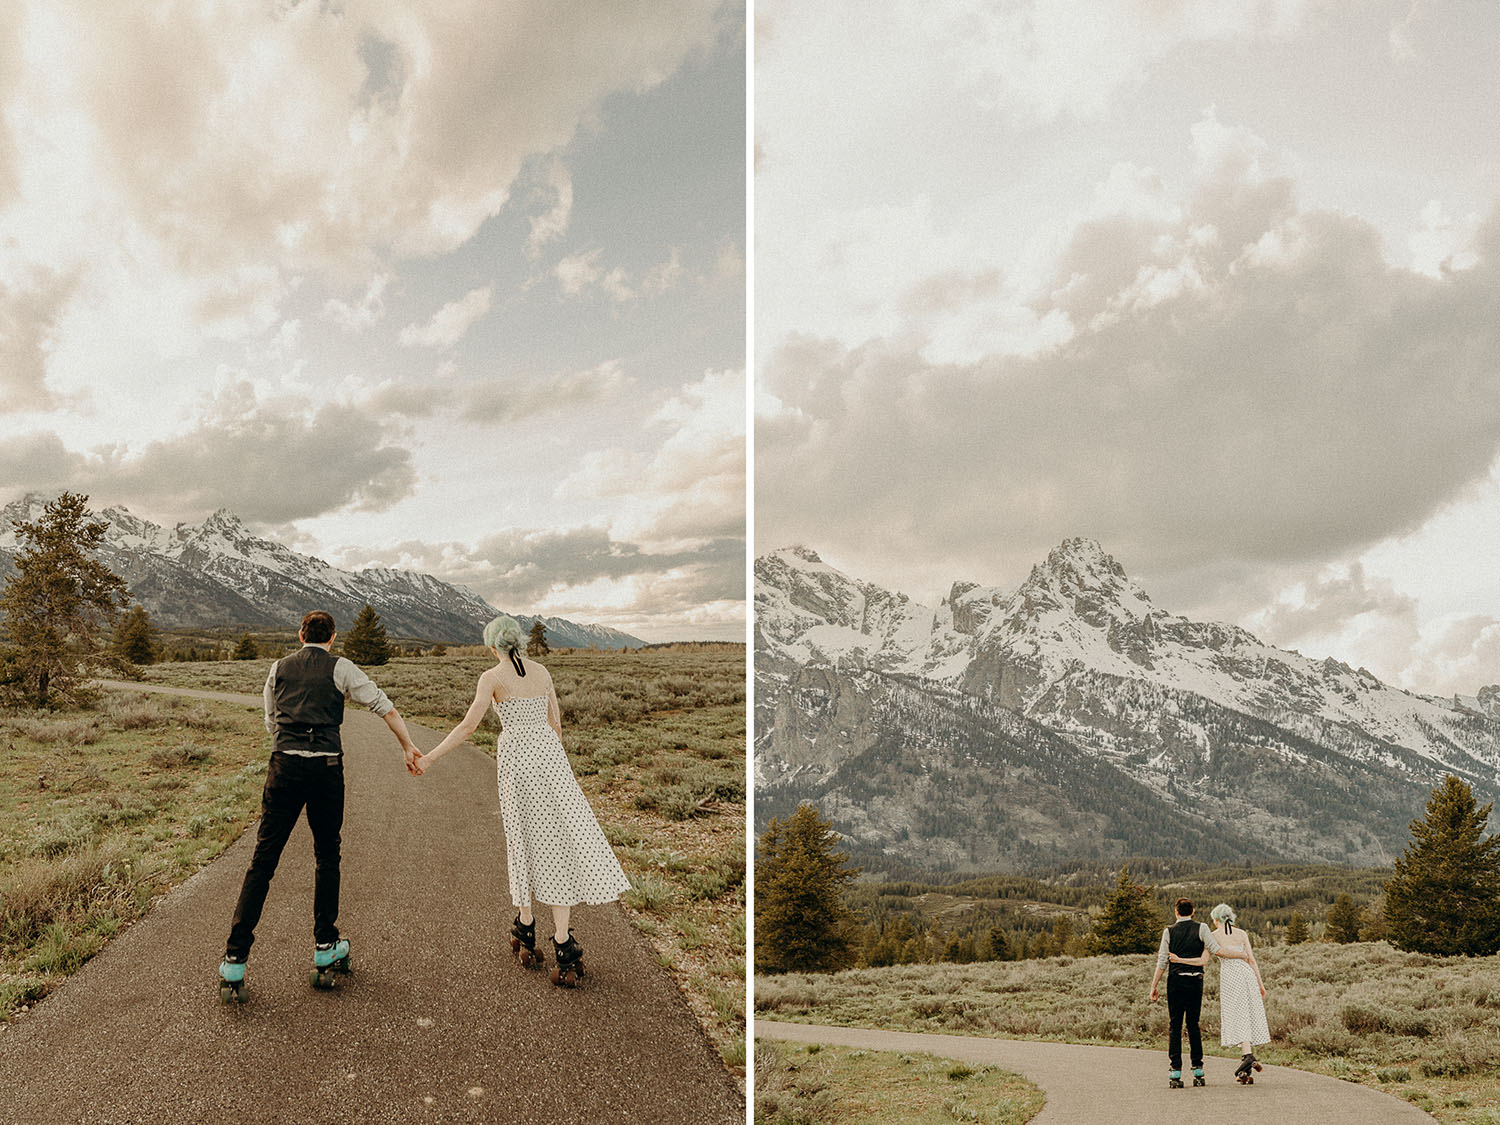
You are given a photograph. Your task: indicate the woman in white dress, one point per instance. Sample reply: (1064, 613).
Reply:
(1242, 993)
(557, 854)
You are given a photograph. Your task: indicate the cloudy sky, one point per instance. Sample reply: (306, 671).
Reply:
(457, 287)
(1215, 283)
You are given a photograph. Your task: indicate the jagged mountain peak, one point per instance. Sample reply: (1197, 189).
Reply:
(1081, 565)
(220, 572)
(798, 551)
(920, 740)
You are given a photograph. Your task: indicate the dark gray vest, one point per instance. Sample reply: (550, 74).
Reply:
(1185, 940)
(307, 706)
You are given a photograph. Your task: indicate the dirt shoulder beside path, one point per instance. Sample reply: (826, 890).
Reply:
(437, 1024)
(1129, 1086)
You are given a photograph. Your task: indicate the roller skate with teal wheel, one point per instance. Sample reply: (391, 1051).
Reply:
(232, 980)
(330, 960)
(523, 943)
(569, 968)
(1174, 1079)
(1198, 1079)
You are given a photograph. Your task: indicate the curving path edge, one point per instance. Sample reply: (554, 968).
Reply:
(1127, 1085)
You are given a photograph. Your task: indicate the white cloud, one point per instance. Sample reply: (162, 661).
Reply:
(208, 163)
(577, 273)
(361, 314)
(553, 223)
(690, 488)
(448, 325)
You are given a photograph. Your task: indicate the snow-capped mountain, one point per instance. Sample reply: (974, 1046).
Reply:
(1282, 754)
(220, 573)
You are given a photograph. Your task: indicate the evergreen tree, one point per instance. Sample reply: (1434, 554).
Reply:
(1343, 920)
(1445, 895)
(366, 643)
(246, 649)
(1129, 923)
(1062, 936)
(133, 637)
(536, 642)
(801, 921)
(1296, 929)
(59, 602)
(999, 945)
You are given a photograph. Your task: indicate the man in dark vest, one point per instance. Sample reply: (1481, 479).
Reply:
(304, 699)
(1193, 941)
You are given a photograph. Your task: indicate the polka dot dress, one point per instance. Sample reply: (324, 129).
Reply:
(1242, 1015)
(558, 855)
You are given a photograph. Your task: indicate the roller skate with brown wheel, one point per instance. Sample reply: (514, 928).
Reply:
(330, 961)
(569, 968)
(1198, 1079)
(523, 943)
(1244, 1074)
(232, 980)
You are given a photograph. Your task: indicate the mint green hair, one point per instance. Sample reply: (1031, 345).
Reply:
(503, 633)
(1223, 913)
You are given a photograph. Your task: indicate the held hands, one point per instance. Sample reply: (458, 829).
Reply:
(413, 757)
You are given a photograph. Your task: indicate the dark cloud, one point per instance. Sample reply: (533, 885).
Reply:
(1247, 384)
(514, 400)
(519, 568)
(28, 314)
(269, 462)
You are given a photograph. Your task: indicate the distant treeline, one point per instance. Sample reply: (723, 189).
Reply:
(1050, 913)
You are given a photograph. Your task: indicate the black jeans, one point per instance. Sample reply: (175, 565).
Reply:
(292, 783)
(1184, 1002)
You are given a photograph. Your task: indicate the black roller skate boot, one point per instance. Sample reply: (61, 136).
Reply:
(569, 969)
(1244, 1074)
(523, 943)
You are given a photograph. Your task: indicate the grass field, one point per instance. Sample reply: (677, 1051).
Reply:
(104, 808)
(1423, 1028)
(807, 1084)
(657, 739)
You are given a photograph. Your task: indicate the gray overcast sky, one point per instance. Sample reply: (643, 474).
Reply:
(458, 286)
(1215, 283)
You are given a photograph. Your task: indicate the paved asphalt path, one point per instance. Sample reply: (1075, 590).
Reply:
(437, 1023)
(1127, 1086)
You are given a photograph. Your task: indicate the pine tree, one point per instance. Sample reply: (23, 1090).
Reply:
(999, 945)
(536, 642)
(1445, 895)
(59, 602)
(801, 921)
(366, 643)
(246, 649)
(133, 637)
(1062, 936)
(1343, 920)
(1296, 929)
(1129, 923)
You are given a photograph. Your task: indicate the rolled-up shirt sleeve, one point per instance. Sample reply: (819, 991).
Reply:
(1161, 953)
(268, 694)
(357, 686)
(1208, 938)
